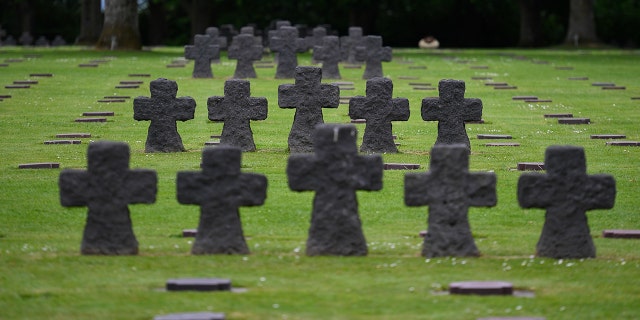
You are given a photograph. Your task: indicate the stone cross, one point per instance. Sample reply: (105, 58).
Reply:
(107, 187)
(315, 39)
(220, 189)
(373, 53)
(163, 109)
(216, 39)
(286, 43)
(26, 39)
(449, 189)
(379, 109)
(202, 52)
(308, 96)
(566, 192)
(335, 171)
(451, 110)
(349, 44)
(329, 54)
(236, 108)
(244, 49)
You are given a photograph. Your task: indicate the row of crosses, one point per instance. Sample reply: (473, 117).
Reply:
(335, 171)
(308, 96)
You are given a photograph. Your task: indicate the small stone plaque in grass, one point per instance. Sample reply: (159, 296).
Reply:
(189, 233)
(538, 100)
(496, 84)
(17, 86)
(212, 143)
(578, 78)
(216, 136)
(342, 83)
(635, 98)
(99, 114)
(505, 87)
(524, 98)
(88, 65)
(25, 82)
(502, 144)
(481, 78)
(73, 135)
(608, 136)
(176, 65)
(192, 316)
(603, 84)
(346, 88)
(5, 96)
(91, 120)
(198, 284)
(530, 166)
(350, 66)
(558, 115)
(481, 287)
(479, 67)
(111, 100)
(62, 142)
(620, 233)
(39, 165)
(117, 97)
(41, 75)
(131, 82)
(142, 75)
(264, 66)
(574, 120)
(614, 88)
(4, 64)
(494, 136)
(423, 88)
(127, 86)
(13, 60)
(401, 166)
(358, 120)
(624, 143)
(420, 84)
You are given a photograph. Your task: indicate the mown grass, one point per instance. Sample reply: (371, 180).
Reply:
(44, 276)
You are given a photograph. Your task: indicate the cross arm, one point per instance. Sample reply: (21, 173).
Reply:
(357, 107)
(368, 173)
(481, 189)
(431, 109)
(473, 110)
(190, 186)
(302, 45)
(329, 96)
(259, 107)
(601, 191)
(216, 108)
(416, 189)
(142, 108)
(535, 190)
(400, 110)
(141, 186)
(301, 172)
(186, 108)
(287, 97)
(387, 54)
(252, 189)
(73, 185)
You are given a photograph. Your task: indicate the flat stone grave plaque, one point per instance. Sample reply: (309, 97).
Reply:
(530, 166)
(13, 60)
(505, 87)
(263, 66)
(559, 115)
(564, 68)
(5, 96)
(98, 114)
(117, 97)
(624, 143)
(73, 135)
(25, 82)
(176, 65)
(494, 136)
(603, 84)
(91, 120)
(358, 120)
(614, 88)
(417, 67)
(352, 66)
(62, 142)
(216, 136)
(503, 144)
(111, 100)
(574, 120)
(99, 61)
(143, 75)
(192, 316)
(635, 98)
(17, 86)
(88, 65)
(127, 86)
(39, 165)
(607, 136)
(198, 284)
(620, 233)
(578, 78)
(189, 233)
(481, 78)
(481, 287)
(41, 75)
(524, 98)
(538, 100)
(4, 64)
(401, 166)
(479, 67)
(212, 143)
(496, 84)
(423, 88)
(131, 82)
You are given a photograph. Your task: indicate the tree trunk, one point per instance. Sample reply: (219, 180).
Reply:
(157, 22)
(530, 25)
(26, 21)
(120, 30)
(582, 25)
(201, 14)
(90, 23)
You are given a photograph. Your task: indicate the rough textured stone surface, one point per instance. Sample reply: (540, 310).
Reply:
(451, 109)
(481, 287)
(245, 50)
(335, 171)
(107, 187)
(198, 284)
(236, 109)
(163, 109)
(348, 44)
(379, 109)
(449, 189)
(373, 53)
(220, 189)
(286, 43)
(308, 96)
(566, 192)
(216, 39)
(328, 52)
(202, 52)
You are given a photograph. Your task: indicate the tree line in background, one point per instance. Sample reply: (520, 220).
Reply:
(401, 23)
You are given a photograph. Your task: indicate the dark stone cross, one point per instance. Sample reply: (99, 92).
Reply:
(335, 171)
(244, 49)
(219, 189)
(373, 53)
(451, 110)
(163, 109)
(566, 192)
(216, 39)
(26, 39)
(329, 54)
(286, 43)
(349, 44)
(379, 109)
(107, 187)
(308, 96)
(449, 189)
(236, 108)
(202, 52)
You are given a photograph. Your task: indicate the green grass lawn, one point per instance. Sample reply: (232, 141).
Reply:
(44, 276)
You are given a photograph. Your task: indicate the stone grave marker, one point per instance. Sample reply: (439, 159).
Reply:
(98, 114)
(530, 166)
(574, 120)
(502, 144)
(236, 109)
(9, 41)
(287, 43)
(451, 110)
(42, 42)
(39, 165)
(198, 284)
(192, 316)
(308, 96)
(607, 136)
(566, 192)
(245, 50)
(62, 142)
(92, 119)
(73, 135)
(317, 37)
(494, 136)
(578, 78)
(449, 189)
(624, 143)
(202, 52)
(328, 52)
(220, 189)
(58, 41)
(349, 44)
(335, 171)
(373, 53)
(481, 287)
(216, 39)
(558, 115)
(26, 39)
(621, 233)
(379, 108)
(107, 187)
(163, 109)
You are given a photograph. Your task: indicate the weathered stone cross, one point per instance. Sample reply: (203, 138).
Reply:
(373, 53)
(335, 171)
(286, 43)
(244, 49)
(451, 110)
(566, 192)
(219, 190)
(379, 109)
(163, 109)
(449, 189)
(107, 187)
(349, 44)
(216, 39)
(236, 108)
(329, 54)
(202, 52)
(308, 96)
